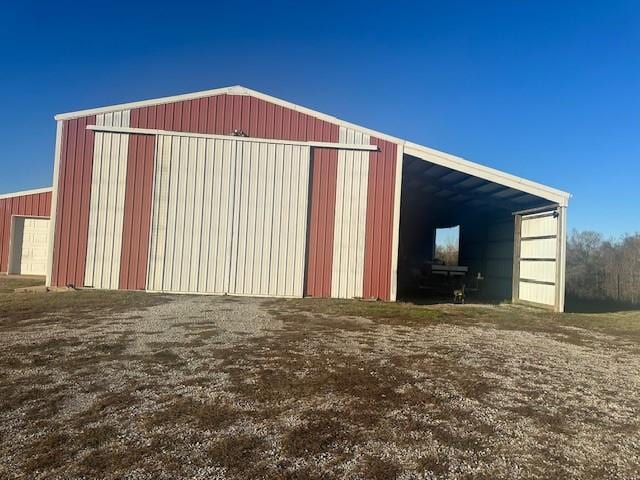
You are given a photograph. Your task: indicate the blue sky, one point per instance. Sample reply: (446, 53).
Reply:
(546, 90)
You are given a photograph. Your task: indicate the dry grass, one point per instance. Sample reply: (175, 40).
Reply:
(117, 384)
(8, 283)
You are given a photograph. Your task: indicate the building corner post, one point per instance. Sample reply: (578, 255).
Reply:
(54, 201)
(562, 259)
(393, 294)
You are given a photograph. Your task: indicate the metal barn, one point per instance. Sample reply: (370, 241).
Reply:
(232, 191)
(24, 231)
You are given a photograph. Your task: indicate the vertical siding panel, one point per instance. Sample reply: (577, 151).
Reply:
(210, 114)
(322, 208)
(73, 189)
(168, 118)
(262, 119)
(207, 207)
(28, 204)
(5, 219)
(220, 113)
(57, 240)
(105, 205)
(93, 206)
(145, 217)
(134, 210)
(379, 233)
(129, 199)
(236, 115)
(350, 220)
(4, 216)
(67, 207)
(78, 186)
(252, 128)
(245, 113)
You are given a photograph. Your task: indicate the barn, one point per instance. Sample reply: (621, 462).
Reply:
(24, 231)
(231, 191)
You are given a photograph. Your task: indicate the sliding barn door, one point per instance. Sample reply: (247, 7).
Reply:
(536, 261)
(229, 216)
(270, 219)
(192, 214)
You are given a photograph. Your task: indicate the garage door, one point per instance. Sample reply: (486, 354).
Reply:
(536, 262)
(229, 216)
(29, 244)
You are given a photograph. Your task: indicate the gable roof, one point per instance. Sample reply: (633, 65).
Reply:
(425, 153)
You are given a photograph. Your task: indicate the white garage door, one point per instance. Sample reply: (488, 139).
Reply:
(29, 244)
(537, 252)
(229, 216)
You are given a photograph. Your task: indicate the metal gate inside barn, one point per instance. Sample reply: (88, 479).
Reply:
(229, 216)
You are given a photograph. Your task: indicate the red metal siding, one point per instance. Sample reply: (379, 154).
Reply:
(379, 228)
(322, 206)
(37, 205)
(74, 194)
(223, 114)
(137, 212)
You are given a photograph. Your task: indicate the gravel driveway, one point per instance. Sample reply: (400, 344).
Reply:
(115, 385)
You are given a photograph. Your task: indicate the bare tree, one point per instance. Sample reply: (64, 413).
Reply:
(599, 269)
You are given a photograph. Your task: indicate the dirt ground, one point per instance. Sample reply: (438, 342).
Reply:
(142, 386)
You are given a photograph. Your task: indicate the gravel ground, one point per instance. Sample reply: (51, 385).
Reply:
(231, 387)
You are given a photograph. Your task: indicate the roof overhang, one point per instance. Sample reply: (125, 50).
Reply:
(487, 173)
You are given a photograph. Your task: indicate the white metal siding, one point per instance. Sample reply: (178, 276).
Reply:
(106, 209)
(538, 259)
(30, 241)
(350, 219)
(539, 248)
(191, 215)
(229, 217)
(539, 226)
(270, 218)
(542, 271)
(537, 293)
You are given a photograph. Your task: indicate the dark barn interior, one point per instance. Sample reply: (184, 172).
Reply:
(434, 197)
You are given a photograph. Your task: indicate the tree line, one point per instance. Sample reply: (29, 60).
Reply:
(601, 269)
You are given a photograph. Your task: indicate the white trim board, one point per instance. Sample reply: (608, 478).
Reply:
(434, 156)
(54, 200)
(26, 192)
(153, 131)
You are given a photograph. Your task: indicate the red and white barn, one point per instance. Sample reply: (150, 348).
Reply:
(24, 231)
(232, 191)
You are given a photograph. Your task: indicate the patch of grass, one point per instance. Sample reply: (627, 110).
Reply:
(186, 410)
(108, 403)
(8, 283)
(32, 309)
(48, 452)
(376, 468)
(167, 357)
(114, 461)
(236, 453)
(393, 313)
(437, 464)
(95, 437)
(321, 433)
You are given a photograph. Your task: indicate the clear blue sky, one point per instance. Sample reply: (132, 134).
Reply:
(543, 89)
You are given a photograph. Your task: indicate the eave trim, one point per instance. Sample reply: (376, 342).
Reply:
(26, 192)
